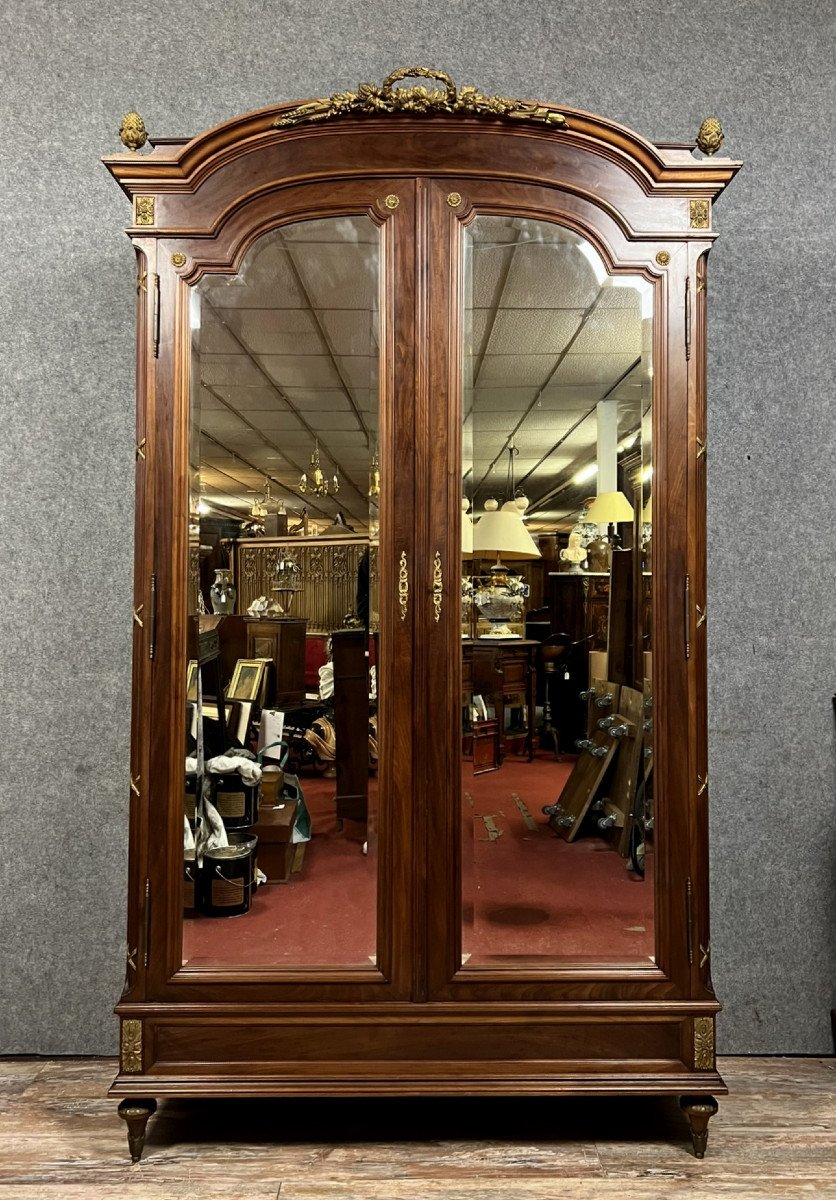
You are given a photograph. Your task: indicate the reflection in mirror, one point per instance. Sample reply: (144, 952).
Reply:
(280, 824)
(556, 600)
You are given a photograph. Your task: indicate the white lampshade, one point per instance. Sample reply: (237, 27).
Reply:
(501, 531)
(467, 530)
(647, 514)
(610, 508)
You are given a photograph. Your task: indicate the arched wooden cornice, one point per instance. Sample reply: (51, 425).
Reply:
(308, 130)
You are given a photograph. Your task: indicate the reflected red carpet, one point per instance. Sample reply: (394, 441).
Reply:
(526, 892)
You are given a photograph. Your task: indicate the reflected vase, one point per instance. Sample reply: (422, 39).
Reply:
(222, 593)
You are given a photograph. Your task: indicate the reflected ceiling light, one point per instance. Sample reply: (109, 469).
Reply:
(594, 259)
(202, 508)
(628, 443)
(262, 504)
(318, 485)
(646, 474)
(585, 473)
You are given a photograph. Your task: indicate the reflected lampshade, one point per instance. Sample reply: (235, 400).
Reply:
(610, 508)
(501, 531)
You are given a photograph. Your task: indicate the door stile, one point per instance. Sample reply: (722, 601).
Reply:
(701, 985)
(440, 619)
(672, 632)
(398, 562)
(139, 778)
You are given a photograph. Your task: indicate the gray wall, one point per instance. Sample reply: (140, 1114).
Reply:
(66, 313)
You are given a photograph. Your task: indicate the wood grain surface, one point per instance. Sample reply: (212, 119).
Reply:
(775, 1136)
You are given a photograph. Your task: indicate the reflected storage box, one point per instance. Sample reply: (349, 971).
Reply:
(235, 800)
(276, 851)
(227, 880)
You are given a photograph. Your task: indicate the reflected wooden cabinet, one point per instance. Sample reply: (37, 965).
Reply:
(369, 308)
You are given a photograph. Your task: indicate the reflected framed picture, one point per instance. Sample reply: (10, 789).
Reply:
(191, 680)
(247, 679)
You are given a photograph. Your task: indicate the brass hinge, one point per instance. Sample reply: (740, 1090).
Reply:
(688, 318)
(156, 321)
(135, 785)
(689, 914)
(702, 449)
(702, 613)
(130, 959)
(141, 281)
(687, 602)
(705, 954)
(703, 785)
(139, 451)
(152, 620)
(137, 617)
(146, 943)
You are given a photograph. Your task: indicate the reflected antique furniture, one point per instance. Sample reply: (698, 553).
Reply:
(349, 648)
(416, 167)
(502, 672)
(282, 641)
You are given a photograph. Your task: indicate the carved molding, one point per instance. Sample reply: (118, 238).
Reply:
(371, 100)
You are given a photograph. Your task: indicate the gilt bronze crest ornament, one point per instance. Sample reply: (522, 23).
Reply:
(371, 100)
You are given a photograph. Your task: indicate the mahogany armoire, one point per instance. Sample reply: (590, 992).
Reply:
(461, 267)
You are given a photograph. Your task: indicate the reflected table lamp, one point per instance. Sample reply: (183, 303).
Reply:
(501, 531)
(611, 509)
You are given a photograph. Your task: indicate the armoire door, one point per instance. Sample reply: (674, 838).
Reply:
(289, 353)
(563, 383)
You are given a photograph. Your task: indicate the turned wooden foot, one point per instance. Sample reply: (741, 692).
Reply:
(699, 1110)
(135, 1114)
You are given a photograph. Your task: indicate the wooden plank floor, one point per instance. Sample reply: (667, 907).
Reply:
(775, 1136)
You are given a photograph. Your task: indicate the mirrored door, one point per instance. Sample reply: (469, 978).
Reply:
(556, 715)
(282, 741)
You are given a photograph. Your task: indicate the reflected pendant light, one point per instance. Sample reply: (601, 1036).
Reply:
(318, 485)
(501, 531)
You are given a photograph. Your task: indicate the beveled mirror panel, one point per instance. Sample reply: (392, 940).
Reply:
(281, 801)
(556, 600)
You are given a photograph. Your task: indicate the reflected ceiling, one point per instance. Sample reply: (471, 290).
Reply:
(287, 351)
